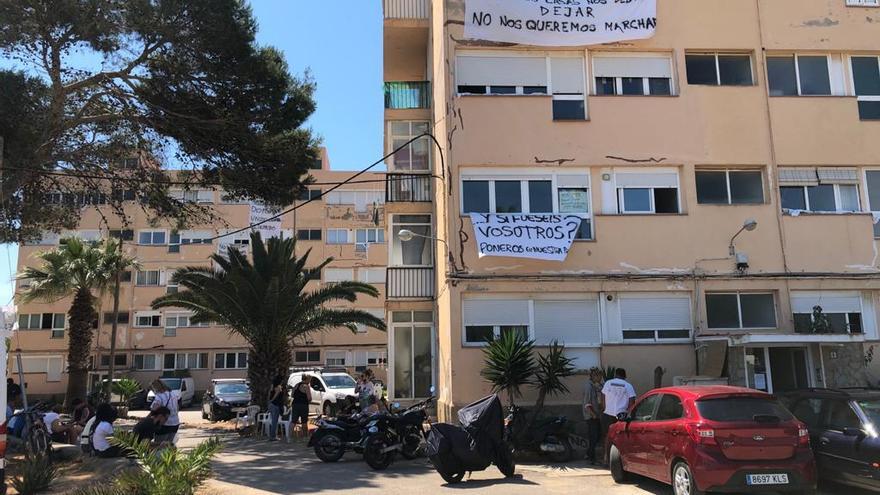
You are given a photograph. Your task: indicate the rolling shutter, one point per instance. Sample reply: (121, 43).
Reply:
(831, 302)
(573, 323)
(496, 312)
(669, 179)
(567, 75)
(655, 313)
(502, 71)
(632, 67)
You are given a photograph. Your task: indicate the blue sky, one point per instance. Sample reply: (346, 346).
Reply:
(340, 42)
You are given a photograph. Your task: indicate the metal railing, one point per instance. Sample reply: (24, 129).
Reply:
(407, 188)
(403, 95)
(409, 282)
(407, 9)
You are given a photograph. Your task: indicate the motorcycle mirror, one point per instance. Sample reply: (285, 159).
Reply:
(433, 390)
(396, 405)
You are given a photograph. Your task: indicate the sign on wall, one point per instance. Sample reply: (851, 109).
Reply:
(560, 22)
(260, 213)
(541, 237)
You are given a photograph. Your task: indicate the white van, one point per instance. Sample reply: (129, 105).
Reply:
(329, 387)
(183, 388)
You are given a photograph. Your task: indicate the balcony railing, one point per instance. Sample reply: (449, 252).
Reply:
(407, 188)
(402, 95)
(407, 9)
(410, 282)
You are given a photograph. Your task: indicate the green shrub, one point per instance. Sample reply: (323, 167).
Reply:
(36, 475)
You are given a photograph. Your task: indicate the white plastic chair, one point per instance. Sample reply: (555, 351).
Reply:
(264, 421)
(246, 418)
(286, 425)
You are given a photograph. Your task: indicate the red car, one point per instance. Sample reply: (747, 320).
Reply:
(713, 438)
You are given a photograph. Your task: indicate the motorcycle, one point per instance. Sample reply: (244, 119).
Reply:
(389, 433)
(336, 436)
(548, 436)
(473, 446)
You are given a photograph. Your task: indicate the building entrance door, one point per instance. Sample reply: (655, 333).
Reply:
(777, 369)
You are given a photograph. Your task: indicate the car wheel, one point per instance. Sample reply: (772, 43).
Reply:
(618, 474)
(327, 409)
(683, 482)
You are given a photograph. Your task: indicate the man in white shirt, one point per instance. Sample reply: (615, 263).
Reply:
(618, 396)
(58, 430)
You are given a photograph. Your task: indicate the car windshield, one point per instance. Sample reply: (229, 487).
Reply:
(231, 388)
(871, 408)
(172, 383)
(731, 409)
(339, 381)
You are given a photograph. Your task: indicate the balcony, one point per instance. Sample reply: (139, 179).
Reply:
(407, 95)
(407, 188)
(407, 9)
(410, 282)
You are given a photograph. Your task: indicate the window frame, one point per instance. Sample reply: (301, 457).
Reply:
(846, 317)
(717, 54)
(829, 65)
(332, 241)
(837, 199)
(657, 331)
(852, 81)
(307, 352)
(333, 355)
(391, 137)
(493, 175)
(159, 278)
(397, 224)
(153, 233)
(155, 316)
(729, 190)
(142, 356)
(238, 360)
(620, 195)
(593, 87)
(739, 295)
(309, 235)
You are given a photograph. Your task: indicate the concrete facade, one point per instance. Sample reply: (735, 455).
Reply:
(657, 283)
(339, 224)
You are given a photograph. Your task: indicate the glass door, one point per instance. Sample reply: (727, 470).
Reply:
(757, 369)
(413, 354)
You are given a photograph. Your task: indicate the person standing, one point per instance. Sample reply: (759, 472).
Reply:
(302, 396)
(277, 398)
(618, 396)
(592, 412)
(166, 398)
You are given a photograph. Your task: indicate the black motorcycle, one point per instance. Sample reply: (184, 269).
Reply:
(336, 436)
(548, 436)
(473, 446)
(389, 433)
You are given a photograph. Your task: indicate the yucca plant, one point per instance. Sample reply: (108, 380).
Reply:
(36, 476)
(165, 472)
(509, 364)
(126, 388)
(551, 368)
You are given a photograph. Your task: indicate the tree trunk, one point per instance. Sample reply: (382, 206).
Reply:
(267, 360)
(82, 318)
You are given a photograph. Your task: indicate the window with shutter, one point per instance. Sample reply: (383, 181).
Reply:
(655, 318)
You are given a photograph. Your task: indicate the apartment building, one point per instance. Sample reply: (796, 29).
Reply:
(726, 173)
(341, 224)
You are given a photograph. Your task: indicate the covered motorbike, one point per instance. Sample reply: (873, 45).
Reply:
(473, 446)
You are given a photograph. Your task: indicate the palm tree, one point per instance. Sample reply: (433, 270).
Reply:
(266, 302)
(509, 364)
(84, 270)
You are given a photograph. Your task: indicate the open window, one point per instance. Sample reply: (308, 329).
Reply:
(635, 74)
(826, 189)
(640, 192)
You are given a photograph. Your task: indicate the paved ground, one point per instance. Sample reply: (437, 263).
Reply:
(250, 466)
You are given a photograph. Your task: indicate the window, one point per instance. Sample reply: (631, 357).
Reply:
(719, 69)
(203, 196)
(639, 74)
(362, 200)
(670, 408)
(172, 288)
(370, 358)
(417, 251)
(866, 83)
(808, 411)
(378, 313)
(411, 345)
(729, 187)
(122, 318)
(863, 3)
(487, 319)
(370, 236)
(337, 236)
(185, 361)
(338, 275)
(119, 360)
(371, 275)
(145, 362)
(647, 193)
(843, 310)
(151, 237)
(827, 189)
(173, 321)
(308, 235)
(872, 183)
(310, 195)
(149, 277)
(805, 75)
(644, 411)
(740, 311)
(44, 321)
(125, 235)
(230, 360)
(229, 199)
(123, 194)
(559, 75)
(839, 415)
(307, 356)
(540, 193)
(188, 237)
(740, 409)
(335, 358)
(147, 319)
(414, 156)
(655, 317)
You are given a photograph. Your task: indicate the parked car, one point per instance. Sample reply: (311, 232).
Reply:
(843, 432)
(329, 388)
(713, 438)
(225, 398)
(184, 388)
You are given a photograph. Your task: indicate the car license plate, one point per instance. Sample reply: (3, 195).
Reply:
(239, 409)
(767, 479)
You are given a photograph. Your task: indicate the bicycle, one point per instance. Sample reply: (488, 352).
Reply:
(35, 436)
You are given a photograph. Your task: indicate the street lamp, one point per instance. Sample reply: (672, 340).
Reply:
(406, 235)
(749, 225)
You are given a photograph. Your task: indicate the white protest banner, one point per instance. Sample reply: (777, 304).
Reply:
(541, 237)
(560, 22)
(261, 213)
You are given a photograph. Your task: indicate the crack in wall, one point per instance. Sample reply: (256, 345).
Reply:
(558, 161)
(636, 160)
